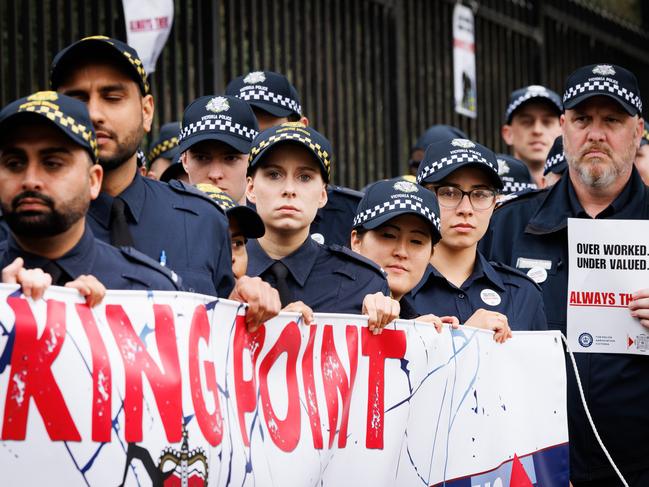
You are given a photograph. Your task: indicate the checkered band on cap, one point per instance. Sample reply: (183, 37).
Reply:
(163, 146)
(60, 118)
(322, 154)
(223, 200)
(522, 99)
(217, 125)
(603, 86)
(554, 160)
(278, 99)
(462, 158)
(515, 186)
(395, 205)
(139, 67)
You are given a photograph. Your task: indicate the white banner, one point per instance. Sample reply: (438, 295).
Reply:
(148, 24)
(464, 61)
(609, 261)
(170, 389)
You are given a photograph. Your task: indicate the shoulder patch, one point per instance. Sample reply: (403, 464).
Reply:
(189, 190)
(138, 257)
(518, 196)
(349, 254)
(513, 273)
(352, 193)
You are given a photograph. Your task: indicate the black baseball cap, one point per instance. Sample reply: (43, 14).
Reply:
(67, 114)
(435, 133)
(292, 133)
(521, 96)
(445, 157)
(267, 90)
(609, 80)
(98, 45)
(515, 174)
(556, 161)
(216, 117)
(166, 145)
(249, 221)
(387, 199)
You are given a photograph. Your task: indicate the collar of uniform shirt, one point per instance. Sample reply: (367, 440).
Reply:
(78, 261)
(134, 196)
(561, 203)
(299, 263)
(482, 269)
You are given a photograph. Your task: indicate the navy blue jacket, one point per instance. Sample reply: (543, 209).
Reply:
(494, 287)
(532, 230)
(174, 218)
(123, 268)
(328, 279)
(334, 220)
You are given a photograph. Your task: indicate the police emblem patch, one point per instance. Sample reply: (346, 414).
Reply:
(503, 167)
(464, 143)
(218, 104)
(255, 77)
(604, 70)
(406, 187)
(43, 96)
(536, 89)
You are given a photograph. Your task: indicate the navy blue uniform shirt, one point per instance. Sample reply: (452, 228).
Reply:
(532, 231)
(124, 268)
(491, 286)
(327, 279)
(334, 221)
(190, 229)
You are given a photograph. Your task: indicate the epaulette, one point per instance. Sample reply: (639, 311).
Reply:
(518, 196)
(187, 189)
(350, 254)
(356, 195)
(514, 272)
(134, 255)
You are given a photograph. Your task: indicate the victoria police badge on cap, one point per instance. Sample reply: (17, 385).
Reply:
(604, 70)
(463, 143)
(218, 104)
(255, 77)
(503, 167)
(406, 186)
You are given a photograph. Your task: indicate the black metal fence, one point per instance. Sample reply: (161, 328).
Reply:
(372, 74)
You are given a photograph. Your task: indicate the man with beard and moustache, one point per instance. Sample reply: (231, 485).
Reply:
(602, 125)
(49, 173)
(172, 223)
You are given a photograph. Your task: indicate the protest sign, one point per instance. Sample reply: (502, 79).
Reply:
(608, 263)
(148, 25)
(464, 78)
(168, 388)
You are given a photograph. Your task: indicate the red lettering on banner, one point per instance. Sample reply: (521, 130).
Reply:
(166, 384)
(389, 344)
(284, 433)
(309, 390)
(335, 380)
(31, 374)
(210, 424)
(101, 377)
(245, 390)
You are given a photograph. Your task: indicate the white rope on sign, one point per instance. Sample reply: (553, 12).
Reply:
(590, 418)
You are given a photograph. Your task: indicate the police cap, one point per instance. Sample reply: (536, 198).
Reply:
(267, 90)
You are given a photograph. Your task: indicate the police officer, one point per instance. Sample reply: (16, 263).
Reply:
(174, 223)
(601, 127)
(215, 141)
(514, 174)
(244, 222)
(274, 101)
(531, 125)
(642, 156)
(555, 164)
(164, 150)
(434, 133)
(49, 173)
(288, 172)
(461, 281)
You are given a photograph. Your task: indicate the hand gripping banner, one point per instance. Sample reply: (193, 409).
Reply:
(169, 389)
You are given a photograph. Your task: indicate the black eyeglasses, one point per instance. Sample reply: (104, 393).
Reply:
(451, 197)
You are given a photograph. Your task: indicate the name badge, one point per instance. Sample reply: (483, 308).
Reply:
(526, 263)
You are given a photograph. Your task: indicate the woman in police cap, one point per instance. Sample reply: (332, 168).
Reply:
(460, 281)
